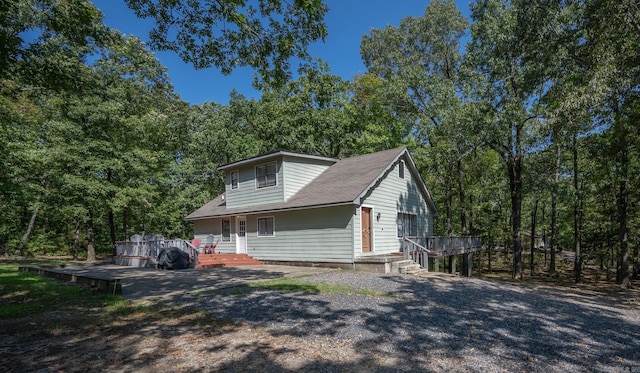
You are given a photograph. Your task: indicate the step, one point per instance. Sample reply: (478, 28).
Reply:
(225, 260)
(395, 266)
(409, 268)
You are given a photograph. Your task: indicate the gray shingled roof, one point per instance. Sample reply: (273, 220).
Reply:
(345, 182)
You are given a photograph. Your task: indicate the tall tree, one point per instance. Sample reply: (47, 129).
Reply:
(511, 92)
(420, 64)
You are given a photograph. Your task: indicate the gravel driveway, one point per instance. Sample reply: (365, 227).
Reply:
(422, 324)
(443, 323)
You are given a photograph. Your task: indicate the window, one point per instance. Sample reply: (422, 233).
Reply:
(226, 230)
(265, 227)
(401, 169)
(407, 225)
(266, 175)
(235, 179)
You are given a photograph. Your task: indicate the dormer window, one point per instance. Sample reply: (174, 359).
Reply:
(235, 179)
(266, 175)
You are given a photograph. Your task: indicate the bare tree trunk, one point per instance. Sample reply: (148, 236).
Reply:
(463, 212)
(554, 214)
(533, 237)
(25, 236)
(125, 236)
(622, 271)
(514, 165)
(76, 240)
(91, 250)
(112, 233)
(577, 214)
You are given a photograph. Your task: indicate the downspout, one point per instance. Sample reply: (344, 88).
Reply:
(353, 236)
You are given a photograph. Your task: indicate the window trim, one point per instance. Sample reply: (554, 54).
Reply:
(273, 226)
(275, 184)
(237, 172)
(223, 238)
(402, 214)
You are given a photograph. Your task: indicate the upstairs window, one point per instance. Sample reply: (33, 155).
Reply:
(401, 169)
(266, 175)
(407, 225)
(235, 179)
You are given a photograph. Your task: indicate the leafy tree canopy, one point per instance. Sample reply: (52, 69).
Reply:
(232, 33)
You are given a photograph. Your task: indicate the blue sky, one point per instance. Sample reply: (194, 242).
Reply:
(347, 22)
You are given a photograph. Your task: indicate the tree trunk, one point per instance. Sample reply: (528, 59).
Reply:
(554, 214)
(112, 232)
(577, 214)
(622, 271)
(533, 237)
(125, 236)
(76, 240)
(91, 250)
(463, 212)
(111, 217)
(515, 185)
(25, 237)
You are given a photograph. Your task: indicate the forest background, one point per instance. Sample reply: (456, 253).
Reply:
(523, 120)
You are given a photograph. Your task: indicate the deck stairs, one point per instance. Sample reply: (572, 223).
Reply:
(225, 260)
(408, 267)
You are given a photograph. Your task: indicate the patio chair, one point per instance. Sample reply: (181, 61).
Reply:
(209, 246)
(136, 245)
(196, 243)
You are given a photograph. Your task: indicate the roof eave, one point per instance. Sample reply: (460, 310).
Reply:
(266, 211)
(276, 154)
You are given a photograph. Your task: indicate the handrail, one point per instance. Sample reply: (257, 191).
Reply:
(194, 252)
(416, 252)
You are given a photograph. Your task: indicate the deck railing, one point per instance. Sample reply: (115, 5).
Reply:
(416, 252)
(419, 249)
(150, 248)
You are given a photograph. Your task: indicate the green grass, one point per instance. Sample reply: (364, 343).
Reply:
(297, 284)
(24, 293)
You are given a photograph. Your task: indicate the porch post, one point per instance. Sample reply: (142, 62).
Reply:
(467, 261)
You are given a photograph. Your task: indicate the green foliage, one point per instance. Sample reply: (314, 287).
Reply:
(228, 34)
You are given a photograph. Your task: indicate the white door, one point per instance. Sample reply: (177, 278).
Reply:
(241, 242)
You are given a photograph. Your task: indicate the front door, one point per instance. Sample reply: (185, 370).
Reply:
(366, 229)
(241, 242)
